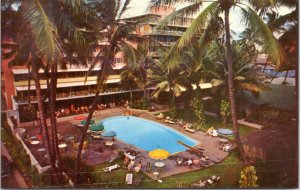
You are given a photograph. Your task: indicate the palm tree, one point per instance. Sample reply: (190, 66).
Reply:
(203, 19)
(166, 79)
(117, 34)
(135, 74)
(47, 24)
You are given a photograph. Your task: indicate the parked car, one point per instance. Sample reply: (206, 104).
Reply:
(6, 166)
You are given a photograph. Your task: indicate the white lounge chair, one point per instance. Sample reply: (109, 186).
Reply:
(227, 147)
(129, 179)
(110, 168)
(160, 116)
(214, 133)
(188, 128)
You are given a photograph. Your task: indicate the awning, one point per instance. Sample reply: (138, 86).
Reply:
(202, 86)
(71, 68)
(71, 84)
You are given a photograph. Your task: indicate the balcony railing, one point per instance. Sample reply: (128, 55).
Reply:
(164, 32)
(70, 95)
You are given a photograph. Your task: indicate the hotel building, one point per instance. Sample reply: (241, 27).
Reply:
(71, 88)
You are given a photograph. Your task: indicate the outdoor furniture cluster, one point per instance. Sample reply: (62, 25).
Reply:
(210, 182)
(195, 161)
(129, 162)
(73, 110)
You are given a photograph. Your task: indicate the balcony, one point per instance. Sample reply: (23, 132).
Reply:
(164, 32)
(72, 95)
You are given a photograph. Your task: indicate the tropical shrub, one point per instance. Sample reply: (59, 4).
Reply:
(248, 177)
(197, 106)
(225, 110)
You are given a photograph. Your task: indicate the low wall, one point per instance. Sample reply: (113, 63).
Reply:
(33, 160)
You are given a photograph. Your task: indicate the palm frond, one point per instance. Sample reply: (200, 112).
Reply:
(252, 87)
(124, 8)
(42, 31)
(185, 11)
(271, 45)
(197, 25)
(158, 3)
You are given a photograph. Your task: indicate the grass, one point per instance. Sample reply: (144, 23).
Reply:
(228, 170)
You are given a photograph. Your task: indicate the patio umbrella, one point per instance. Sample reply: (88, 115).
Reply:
(225, 131)
(83, 122)
(109, 134)
(97, 127)
(79, 117)
(159, 154)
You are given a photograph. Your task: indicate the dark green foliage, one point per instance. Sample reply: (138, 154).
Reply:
(86, 171)
(198, 110)
(140, 104)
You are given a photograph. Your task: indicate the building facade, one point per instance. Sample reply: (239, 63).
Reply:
(71, 86)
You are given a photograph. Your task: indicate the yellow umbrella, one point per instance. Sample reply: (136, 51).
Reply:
(159, 154)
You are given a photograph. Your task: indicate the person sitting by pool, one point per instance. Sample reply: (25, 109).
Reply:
(130, 165)
(189, 162)
(210, 131)
(169, 120)
(196, 161)
(179, 161)
(126, 161)
(180, 123)
(160, 116)
(138, 167)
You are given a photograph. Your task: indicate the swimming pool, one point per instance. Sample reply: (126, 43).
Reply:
(146, 134)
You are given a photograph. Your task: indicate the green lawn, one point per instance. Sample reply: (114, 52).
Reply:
(228, 170)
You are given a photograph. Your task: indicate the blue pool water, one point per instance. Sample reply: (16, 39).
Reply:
(147, 135)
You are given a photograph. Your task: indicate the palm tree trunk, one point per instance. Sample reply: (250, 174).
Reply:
(83, 136)
(52, 101)
(102, 76)
(274, 76)
(286, 75)
(230, 87)
(130, 94)
(42, 112)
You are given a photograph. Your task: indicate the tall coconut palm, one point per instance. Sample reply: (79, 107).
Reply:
(48, 24)
(217, 7)
(117, 33)
(164, 78)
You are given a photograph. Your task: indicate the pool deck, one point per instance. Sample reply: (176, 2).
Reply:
(97, 153)
(210, 144)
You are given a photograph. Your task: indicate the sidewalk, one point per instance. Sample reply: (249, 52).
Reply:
(15, 180)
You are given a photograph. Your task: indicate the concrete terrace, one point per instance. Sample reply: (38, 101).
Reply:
(97, 153)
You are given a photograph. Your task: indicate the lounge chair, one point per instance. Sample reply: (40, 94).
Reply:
(110, 168)
(160, 116)
(214, 133)
(129, 179)
(188, 128)
(209, 131)
(227, 147)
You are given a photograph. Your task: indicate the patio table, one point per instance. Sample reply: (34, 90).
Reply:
(62, 146)
(225, 131)
(35, 142)
(159, 165)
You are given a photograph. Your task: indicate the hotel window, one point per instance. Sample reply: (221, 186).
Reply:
(118, 60)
